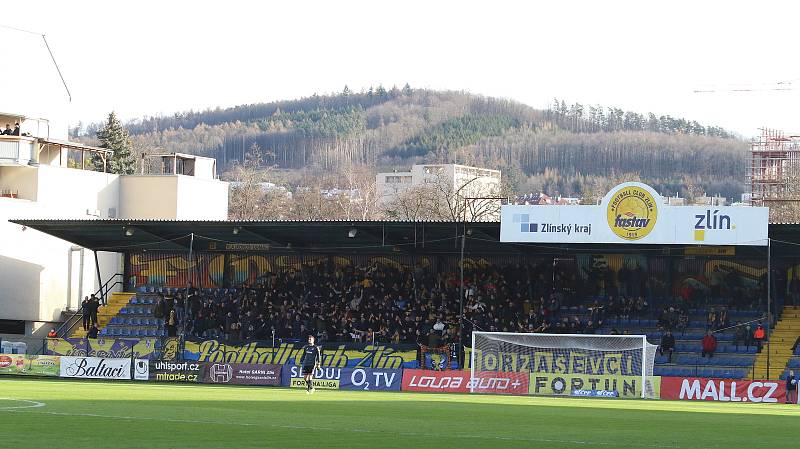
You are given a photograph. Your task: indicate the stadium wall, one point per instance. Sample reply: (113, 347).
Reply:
(34, 266)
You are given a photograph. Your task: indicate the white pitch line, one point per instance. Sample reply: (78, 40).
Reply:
(33, 404)
(383, 432)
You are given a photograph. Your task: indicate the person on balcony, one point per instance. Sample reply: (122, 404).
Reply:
(8, 131)
(16, 129)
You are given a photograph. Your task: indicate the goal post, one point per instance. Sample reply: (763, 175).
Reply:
(568, 364)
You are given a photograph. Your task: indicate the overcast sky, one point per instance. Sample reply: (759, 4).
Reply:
(158, 57)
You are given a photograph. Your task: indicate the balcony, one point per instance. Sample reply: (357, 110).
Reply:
(17, 150)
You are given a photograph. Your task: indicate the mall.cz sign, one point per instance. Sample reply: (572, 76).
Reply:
(376, 356)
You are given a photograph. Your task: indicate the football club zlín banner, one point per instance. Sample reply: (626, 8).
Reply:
(634, 213)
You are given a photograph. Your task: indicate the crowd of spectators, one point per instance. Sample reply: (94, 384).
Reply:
(384, 303)
(388, 304)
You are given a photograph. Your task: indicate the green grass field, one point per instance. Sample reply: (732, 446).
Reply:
(73, 414)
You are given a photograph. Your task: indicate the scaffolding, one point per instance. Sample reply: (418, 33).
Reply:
(775, 172)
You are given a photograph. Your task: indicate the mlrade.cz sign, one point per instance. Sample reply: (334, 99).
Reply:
(634, 213)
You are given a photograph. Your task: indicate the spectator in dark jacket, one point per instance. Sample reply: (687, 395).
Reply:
(86, 310)
(667, 345)
(740, 335)
(791, 388)
(709, 345)
(94, 307)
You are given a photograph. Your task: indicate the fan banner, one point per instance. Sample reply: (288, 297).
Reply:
(351, 355)
(723, 390)
(634, 213)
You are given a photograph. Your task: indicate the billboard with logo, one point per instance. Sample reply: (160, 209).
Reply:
(95, 368)
(29, 365)
(141, 369)
(618, 386)
(634, 213)
(329, 378)
(242, 374)
(723, 390)
(169, 371)
(462, 382)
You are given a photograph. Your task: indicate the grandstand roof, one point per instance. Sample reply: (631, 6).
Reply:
(122, 235)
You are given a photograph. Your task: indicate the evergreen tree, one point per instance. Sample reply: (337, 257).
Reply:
(407, 90)
(114, 137)
(346, 91)
(381, 92)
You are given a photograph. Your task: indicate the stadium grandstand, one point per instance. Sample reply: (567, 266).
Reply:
(398, 283)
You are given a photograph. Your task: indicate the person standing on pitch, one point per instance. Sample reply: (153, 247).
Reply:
(791, 388)
(310, 361)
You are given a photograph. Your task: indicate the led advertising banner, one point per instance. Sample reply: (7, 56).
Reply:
(634, 213)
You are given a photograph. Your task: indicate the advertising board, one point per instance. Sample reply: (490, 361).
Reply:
(723, 390)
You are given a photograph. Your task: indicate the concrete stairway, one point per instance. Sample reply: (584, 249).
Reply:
(115, 303)
(786, 331)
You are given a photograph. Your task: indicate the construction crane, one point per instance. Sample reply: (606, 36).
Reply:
(49, 51)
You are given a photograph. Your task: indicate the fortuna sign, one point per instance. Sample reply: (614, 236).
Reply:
(633, 213)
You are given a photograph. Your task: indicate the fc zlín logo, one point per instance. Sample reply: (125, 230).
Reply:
(632, 213)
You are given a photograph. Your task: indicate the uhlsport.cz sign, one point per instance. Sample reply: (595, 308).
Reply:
(634, 213)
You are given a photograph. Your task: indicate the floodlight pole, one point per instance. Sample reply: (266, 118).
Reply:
(769, 300)
(461, 283)
(189, 277)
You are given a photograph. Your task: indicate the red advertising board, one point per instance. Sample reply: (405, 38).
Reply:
(725, 390)
(460, 382)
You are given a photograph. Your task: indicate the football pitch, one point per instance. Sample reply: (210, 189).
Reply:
(73, 414)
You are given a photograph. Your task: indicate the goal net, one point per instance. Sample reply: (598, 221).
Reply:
(565, 364)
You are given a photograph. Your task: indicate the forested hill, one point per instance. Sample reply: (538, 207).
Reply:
(566, 149)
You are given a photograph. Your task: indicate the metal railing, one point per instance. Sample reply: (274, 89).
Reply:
(69, 324)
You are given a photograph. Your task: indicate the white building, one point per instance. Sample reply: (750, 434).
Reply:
(42, 176)
(463, 180)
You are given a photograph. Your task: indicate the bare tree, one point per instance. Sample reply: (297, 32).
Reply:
(415, 204)
(246, 195)
(357, 196)
(441, 198)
